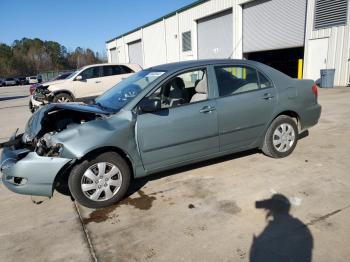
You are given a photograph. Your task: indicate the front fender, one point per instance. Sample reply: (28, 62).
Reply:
(112, 131)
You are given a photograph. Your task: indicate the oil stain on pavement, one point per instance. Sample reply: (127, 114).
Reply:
(142, 202)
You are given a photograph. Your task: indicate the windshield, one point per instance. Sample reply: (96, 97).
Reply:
(122, 93)
(72, 74)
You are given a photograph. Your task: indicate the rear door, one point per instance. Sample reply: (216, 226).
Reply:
(245, 105)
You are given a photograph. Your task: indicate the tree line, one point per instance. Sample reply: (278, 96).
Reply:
(30, 56)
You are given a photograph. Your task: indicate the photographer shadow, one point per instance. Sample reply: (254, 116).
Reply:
(285, 238)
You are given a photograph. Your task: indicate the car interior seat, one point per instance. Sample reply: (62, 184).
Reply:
(201, 90)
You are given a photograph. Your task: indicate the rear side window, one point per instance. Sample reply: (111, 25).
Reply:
(112, 70)
(126, 70)
(91, 72)
(264, 82)
(236, 79)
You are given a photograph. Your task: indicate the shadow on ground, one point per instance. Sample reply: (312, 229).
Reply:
(285, 238)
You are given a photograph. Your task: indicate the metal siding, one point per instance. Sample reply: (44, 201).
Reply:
(273, 24)
(154, 44)
(339, 46)
(135, 52)
(215, 39)
(172, 39)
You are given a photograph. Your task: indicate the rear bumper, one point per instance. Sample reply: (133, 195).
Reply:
(31, 174)
(311, 116)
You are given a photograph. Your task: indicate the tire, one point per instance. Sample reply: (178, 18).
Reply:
(62, 98)
(97, 188)
(281, 138)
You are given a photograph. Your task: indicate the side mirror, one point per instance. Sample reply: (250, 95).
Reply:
(79, 78)
(150, 105)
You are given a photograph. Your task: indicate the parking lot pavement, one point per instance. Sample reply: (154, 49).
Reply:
(207, 211)
(51, 231)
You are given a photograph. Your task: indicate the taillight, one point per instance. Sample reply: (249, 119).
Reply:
(315, 91)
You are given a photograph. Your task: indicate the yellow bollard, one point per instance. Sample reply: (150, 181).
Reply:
(300, 69)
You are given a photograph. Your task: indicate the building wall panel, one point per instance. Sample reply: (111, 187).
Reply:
(154, 44)
(338, 48)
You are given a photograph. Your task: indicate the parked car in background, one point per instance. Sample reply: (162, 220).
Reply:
(32, 79)
(10, 81)
(160, 118)
(82, 85)
(22, 81)
(2, 82)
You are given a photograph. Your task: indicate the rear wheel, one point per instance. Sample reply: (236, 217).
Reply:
(100, 182)
(62, 98)
(281, 138)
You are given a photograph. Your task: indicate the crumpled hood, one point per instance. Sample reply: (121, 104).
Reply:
(34, 124)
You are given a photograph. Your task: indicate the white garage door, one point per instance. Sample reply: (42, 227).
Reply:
(273, 24)
(114, 56)
(215, 36)
(135, 52)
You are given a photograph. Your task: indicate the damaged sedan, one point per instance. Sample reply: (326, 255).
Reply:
(160, 118)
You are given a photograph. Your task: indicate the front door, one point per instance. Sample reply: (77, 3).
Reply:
(185, 128)
(89, 85)
(245, 106)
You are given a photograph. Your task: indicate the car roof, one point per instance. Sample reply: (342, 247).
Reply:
(108, 64)
(195, 63)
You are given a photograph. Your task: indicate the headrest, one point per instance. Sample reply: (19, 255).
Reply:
(202, 86)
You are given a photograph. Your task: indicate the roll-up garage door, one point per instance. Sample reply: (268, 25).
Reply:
(135, 52)
(114, 56)
(215, 35)
(273, 24)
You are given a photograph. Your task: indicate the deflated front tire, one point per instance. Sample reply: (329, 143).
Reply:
(100, 181)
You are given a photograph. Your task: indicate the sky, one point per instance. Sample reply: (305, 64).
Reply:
(73, 23)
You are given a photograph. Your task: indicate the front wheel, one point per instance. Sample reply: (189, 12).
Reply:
(101, 181)
(281, 138)
(62, 98)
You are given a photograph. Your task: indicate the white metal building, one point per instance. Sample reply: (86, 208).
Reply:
(275, 32)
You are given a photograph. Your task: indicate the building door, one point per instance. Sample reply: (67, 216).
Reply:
(316, 58)
(114, 55)
(135, 52)
(273, 33)
(215, 36)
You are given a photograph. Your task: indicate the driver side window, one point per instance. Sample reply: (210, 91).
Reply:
(183, 89)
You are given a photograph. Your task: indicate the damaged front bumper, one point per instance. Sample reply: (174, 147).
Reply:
(27, 173)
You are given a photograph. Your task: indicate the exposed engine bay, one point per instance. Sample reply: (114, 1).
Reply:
(50, 120)
(56, 122)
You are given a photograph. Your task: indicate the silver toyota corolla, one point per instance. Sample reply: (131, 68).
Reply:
(160, 118)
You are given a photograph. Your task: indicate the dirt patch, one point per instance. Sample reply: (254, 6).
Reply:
(143, 202)
(229, 207)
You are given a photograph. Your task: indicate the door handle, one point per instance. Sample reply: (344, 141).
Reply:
(267, 96)
(97, 82)
(207, 109)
